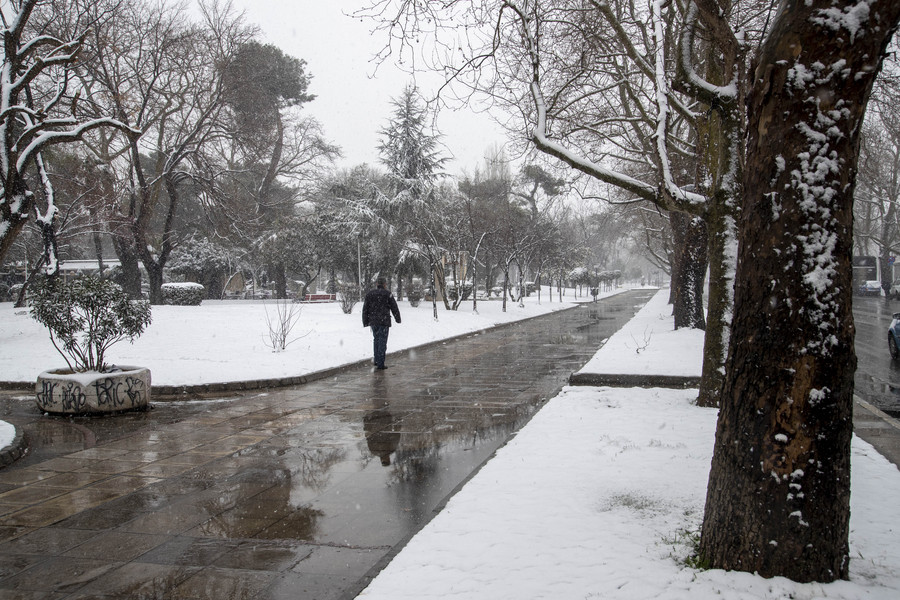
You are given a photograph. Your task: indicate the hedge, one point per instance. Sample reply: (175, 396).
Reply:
(183, 294)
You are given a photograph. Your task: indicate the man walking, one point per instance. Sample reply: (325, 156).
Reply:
(376, 313)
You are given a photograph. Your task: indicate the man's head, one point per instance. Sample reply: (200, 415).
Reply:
(381, 282)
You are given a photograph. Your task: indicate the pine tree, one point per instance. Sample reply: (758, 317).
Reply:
(414, 202)
(408, 150)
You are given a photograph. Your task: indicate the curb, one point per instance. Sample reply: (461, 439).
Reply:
(644, 381)
(17, 386)
(15, 451)
(878, 412)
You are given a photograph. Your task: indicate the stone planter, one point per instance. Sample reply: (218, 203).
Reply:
(62, 391)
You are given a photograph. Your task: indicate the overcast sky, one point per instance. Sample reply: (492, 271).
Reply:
(352, 97)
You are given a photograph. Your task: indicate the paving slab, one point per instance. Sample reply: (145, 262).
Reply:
(291, 492)
(878, 428)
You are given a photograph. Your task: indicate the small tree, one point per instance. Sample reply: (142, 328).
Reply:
(87, 316)
(348, 296)
(281, 324)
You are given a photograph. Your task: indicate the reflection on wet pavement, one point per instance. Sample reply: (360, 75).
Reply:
(288, 493)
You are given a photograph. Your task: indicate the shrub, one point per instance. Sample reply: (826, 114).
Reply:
(414, 296)
(281, 324)
(348, 294)
(183, 294)
(85, 317)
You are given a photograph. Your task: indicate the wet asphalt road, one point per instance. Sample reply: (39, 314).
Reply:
(877, 378)
(300, 492)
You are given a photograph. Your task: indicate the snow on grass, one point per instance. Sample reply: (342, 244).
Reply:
(7, 434)
(598, 497)
(650, 345)
(601, 493)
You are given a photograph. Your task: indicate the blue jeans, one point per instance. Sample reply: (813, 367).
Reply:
(380, 336)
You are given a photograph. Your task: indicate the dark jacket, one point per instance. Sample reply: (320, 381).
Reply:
(378, 307)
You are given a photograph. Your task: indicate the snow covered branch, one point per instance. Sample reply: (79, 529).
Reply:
(624, 39)
(663, 111)
(540, 136)
(44, 139)
(700, 88)
(34, 81)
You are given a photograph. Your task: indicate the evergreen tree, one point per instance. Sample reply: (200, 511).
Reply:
(407, 148)
(412, 203)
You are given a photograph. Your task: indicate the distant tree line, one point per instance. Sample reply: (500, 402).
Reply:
(197, 158)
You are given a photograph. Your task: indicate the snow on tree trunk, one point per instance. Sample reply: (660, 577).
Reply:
(721, 247)
(779, 487)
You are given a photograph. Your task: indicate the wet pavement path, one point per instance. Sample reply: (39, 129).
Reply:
(300, 492)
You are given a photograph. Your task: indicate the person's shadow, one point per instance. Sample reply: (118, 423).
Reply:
(380, 427)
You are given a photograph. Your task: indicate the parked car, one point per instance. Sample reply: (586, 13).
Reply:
(894, 293)
(870, 288)
(893, 336)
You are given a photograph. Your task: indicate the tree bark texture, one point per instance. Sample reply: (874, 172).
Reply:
(779, 488)
(689, 270)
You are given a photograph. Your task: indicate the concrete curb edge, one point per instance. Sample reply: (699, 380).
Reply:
(644, 381)
(13, 452)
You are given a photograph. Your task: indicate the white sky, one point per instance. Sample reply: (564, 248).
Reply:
(351, 104)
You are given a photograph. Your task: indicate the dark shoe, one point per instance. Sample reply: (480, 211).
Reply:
(381, 368)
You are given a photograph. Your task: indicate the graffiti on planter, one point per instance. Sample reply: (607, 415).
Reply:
(135, 390)
(73, 397)
(69, 395)
(109, 392)
(117, 392)
(45, 396)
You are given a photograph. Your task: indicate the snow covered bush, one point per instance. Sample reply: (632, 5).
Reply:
(85, 317)
(183, 294)
(203, 261)
(579, 275)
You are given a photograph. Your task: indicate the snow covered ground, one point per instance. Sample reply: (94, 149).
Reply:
(650, 344)
(597, 497)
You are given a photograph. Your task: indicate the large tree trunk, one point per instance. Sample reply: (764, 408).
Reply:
(154, 260)
(722, 166)
(779, 488)
(98, 251)
(888, 235)
(155, 281)
(689, 270)
(130, 278)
